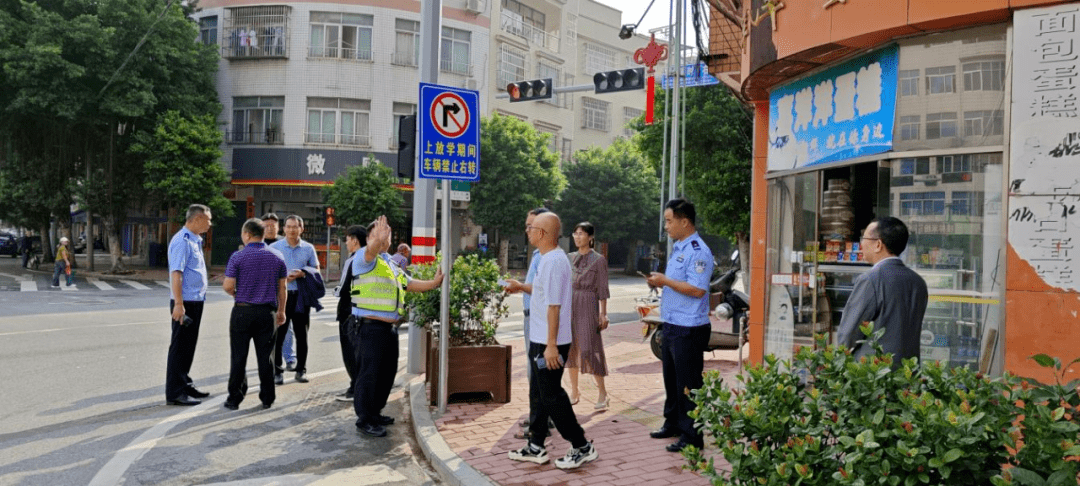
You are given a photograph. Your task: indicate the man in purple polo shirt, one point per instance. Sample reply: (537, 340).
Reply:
(256, 277)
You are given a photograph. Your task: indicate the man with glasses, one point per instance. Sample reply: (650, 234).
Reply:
(684, 307)
(187, 281)
(890, 295)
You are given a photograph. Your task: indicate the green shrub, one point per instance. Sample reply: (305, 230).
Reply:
(476, 300)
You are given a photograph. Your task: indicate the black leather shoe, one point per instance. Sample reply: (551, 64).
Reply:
(279, 379)
(300, 378)
(373, 430)
(677, 446)
(663, 433)
(231, 406)
(195, 393)
(265, 405)
(183, 400)
(384, 420)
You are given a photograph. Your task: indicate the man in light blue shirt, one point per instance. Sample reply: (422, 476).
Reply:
(684, 307)
(187, 283)
(299, 255)
(526, 299)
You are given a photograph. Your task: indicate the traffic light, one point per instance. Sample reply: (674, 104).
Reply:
(406, 154)
(537, 89)
(328, 216)
(619, 80)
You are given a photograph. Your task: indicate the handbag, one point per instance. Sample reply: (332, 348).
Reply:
(67, 270)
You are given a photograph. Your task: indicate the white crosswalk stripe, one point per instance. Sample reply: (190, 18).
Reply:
(28, 286)
(135, 285)
(100, 284)
(163, 283)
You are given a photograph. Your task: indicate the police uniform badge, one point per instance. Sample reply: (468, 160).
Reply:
(699, 266)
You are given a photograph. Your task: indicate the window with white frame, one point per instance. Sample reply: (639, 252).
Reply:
(406, 42)
(629, 115)
(910, 127)
(909, 82)
(208, 30)
(984, 123)
(400, 110)
(598, 59)
(595, 114)
(341, 35)
(257, 119)
(922, 203)
(545, 70)
(256, 32)
(941, 79)
(940, 125)
(454, 51)
(338, 121)
(984, 76)
(511, 65)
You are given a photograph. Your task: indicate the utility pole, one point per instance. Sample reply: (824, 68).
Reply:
(673, 165)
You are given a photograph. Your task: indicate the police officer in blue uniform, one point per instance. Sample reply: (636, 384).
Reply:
(684, 307)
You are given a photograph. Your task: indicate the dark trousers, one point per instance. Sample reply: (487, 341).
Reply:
(684, 360)
(534, 399)
(348, 352)
(552, 400)
(25, 258)
(301, 321)
(61, 269)
(182, 350)
(251, 324)
(376, 352)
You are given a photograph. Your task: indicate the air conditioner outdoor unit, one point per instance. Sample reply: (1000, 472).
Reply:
(473, 6)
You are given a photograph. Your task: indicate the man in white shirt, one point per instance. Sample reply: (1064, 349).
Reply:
(549, 343)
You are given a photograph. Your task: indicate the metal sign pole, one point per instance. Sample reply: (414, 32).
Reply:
(444, 306)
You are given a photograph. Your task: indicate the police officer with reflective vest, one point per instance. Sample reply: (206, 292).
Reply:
(378, 295)
(684, 307)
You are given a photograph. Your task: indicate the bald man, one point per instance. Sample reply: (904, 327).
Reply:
(549, 342)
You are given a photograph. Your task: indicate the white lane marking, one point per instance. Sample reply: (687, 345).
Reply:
(100, 284)
(36, 331)
(163, 283)
(135, 285)
(28, 286)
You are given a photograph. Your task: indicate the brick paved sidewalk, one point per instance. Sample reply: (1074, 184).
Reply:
(482, 433)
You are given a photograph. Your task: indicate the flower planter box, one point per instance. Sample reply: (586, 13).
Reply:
(472, 369)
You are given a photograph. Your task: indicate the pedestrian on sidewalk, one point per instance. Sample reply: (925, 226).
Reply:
(288, 349)
(355, 235)
(513, 286)
(401, 258)
(63, 264)
(299, 255)
(890, 295)
(590, 314)
(378, 290)
(684, 308)
(550, 336)
(257, 279)
(25, 248)
(187, 282)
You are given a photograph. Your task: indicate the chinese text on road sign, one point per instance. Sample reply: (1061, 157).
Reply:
(449, 133)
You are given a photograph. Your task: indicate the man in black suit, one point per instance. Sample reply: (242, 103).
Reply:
(890, 295)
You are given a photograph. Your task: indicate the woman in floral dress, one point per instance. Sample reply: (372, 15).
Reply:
(589, 314)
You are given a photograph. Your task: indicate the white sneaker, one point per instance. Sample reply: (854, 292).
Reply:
(577, 457)
(529, 453)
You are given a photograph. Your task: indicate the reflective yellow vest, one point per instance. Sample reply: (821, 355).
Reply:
(379, 290)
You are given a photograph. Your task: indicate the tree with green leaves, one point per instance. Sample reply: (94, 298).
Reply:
(717, 156)
(182, 165)
(616, 190)
(517, 173)
(364, 193)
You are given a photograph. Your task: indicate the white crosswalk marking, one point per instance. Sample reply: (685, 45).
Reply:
(28, 286)
(135, 285)
(99, 284)
(163, 283)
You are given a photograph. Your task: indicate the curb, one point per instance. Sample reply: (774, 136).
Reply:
(452, 469)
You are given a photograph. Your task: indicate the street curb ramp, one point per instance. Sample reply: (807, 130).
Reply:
(450, 466)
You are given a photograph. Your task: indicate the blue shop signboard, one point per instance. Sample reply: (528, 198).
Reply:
(844, 112)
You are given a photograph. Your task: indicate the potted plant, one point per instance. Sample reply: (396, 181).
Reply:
(477, 363)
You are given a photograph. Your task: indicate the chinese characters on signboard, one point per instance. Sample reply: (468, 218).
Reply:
(844, 112)
(450, 158)
(1044, 191)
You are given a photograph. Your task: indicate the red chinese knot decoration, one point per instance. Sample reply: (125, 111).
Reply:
(650, 56)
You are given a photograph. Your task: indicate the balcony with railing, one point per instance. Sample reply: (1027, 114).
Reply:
(345, 53)
(318, 138)
(455, 67)
(256, 32)
(255, 137)
(514, 24)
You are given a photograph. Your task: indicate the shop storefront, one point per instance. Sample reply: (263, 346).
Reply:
(924, 127)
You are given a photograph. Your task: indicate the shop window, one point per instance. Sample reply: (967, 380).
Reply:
(940, 80)
(922, 203)
(984, 76)
(915, 166)
(454, 51)
(940, 125)
(983, 123)
(909, 82)
(406, 42)
(511, 65)
(595, 114)
(910, 127)
(341, 35)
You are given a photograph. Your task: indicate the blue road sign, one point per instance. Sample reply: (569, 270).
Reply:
(449, 144)
(692, 75)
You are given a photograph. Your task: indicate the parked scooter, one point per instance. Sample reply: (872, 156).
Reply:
(729, 306)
